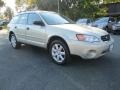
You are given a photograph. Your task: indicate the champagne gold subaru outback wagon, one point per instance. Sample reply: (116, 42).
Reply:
(59, 35)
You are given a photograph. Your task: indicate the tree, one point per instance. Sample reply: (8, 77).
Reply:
(40, 4)
(80, 8)
(8, 13)
(72, 8)
(1, 3)
(110, 1)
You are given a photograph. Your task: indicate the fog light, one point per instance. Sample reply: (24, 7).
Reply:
(91, 54)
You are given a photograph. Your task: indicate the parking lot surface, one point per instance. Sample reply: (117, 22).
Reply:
(30, 68)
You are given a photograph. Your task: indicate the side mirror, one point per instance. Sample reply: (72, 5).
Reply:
(109, 21)
(39, 23)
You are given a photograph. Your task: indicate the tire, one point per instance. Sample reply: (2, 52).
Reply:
(15, 44)
(114, 32)
(59, 52)
(107, 29)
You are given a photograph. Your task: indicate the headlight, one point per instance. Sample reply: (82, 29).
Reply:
(87, 38)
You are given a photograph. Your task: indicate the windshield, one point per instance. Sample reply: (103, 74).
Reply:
(55, 19)
(100, 20)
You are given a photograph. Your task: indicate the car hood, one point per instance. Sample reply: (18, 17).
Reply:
(82, 29)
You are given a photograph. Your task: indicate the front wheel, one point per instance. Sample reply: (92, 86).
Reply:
(107, 29)
(59, 52)
(14, 42)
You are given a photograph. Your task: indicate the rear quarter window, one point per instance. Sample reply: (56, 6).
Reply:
(23, 19)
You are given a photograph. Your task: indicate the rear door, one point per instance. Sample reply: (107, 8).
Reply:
(21, 27)
(12, 26)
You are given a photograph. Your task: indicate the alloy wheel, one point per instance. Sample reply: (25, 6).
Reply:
(58, 53)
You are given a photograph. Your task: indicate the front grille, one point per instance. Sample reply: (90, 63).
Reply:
(105, 37)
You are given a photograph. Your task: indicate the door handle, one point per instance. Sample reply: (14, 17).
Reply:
(28, 28)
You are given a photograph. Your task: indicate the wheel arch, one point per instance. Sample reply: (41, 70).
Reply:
(57, 38)
(10, 33)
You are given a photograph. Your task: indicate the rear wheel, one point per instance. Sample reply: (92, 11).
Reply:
(15, 44)
(59, 52)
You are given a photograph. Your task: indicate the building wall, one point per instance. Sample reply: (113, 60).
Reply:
(114, 9)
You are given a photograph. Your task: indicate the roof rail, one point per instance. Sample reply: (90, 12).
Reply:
(30, 10)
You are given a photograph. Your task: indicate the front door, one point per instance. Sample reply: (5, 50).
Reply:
(35, 33)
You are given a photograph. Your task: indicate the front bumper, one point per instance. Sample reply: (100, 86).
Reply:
(89, 50)
(117, 29)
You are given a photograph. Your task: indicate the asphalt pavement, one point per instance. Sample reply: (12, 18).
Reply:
(30, 68)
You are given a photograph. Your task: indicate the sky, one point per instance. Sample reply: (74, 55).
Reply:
(10, 3)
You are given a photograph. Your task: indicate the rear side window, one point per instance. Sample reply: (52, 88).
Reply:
(23, 19)
(32, 18)
(15, 20)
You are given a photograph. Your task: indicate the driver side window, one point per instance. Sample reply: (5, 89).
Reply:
(32, 18)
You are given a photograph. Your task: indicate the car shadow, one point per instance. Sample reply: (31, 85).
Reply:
(75, 61)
